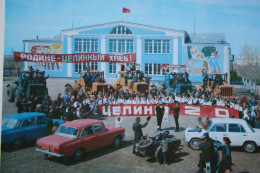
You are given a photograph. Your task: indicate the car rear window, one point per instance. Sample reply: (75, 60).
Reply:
(235, 128)
(65, 131)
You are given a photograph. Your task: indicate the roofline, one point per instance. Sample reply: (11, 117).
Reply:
(124, 22)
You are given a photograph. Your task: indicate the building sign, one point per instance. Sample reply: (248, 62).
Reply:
(74, 58)
(173, 67)
(185, 109)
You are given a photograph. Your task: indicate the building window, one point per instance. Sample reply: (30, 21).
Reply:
(121, 46)
(121, 30)
(85, 45)
(157, 46)
(154, 69)
(112, 67)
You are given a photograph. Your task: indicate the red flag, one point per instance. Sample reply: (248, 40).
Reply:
(125, 10)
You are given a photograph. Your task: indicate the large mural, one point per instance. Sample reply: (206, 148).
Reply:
(51, 48)
(209, 58)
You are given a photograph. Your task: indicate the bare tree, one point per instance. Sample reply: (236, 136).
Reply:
(248, 65)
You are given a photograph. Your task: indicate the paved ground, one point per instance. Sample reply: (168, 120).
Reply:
(115, 160)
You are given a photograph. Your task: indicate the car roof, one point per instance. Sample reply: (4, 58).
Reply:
(227, 120)
(25, 115)
(81, 123)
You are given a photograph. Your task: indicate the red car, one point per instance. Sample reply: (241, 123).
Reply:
(77, 137)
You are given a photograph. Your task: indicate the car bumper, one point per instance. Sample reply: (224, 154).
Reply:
(184, 139)
(50, 153)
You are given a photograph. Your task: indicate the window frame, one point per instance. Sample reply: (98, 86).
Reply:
(150, 68)
(112, 68)
(157, 46)
(122, 45)
(100, 131)
(29, 125)
(84, 129)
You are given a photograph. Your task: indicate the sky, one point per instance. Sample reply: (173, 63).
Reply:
(239, 20)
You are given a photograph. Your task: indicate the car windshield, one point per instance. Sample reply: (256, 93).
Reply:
(68, 132)
(209, 126)
(10, 122)
(251, 128)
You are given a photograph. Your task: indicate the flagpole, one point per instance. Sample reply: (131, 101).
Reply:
(122, 14)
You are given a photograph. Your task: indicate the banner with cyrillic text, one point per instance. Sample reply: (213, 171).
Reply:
(74, 58)
(185, 109)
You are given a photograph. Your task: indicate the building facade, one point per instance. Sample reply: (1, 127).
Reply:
(153, 46)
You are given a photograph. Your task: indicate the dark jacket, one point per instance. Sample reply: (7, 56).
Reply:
(159, 111)
(176, 111)
(137, 127)
(207, 148)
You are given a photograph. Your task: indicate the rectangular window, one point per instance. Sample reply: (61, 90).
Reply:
(121, 46)
(235, 128)
(157, 46)
(85, 45)
(154, 69)
(112, 67)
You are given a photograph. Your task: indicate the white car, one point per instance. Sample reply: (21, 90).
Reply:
(238, 131)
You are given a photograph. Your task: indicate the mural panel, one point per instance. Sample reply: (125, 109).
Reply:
(46, 48)
(198, 58)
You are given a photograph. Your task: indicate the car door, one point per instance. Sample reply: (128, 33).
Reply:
(218, 131)
(87, 139)
(236, 134)
(29, 129)
(41, 124)
(101, 133)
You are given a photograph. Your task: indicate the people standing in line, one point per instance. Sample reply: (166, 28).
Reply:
(164, 145)
(226, 161)
(176, 115)
(138, 133)
(159, 116)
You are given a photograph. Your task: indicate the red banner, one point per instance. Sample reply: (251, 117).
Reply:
(173, 67)
(185, 109)
(74, 58)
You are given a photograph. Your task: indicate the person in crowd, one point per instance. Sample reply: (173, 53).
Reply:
(55, 127)
(164, 144)
(159, 116)
(176, 115)
(96, 112)
(138, 133)
(119, 121)
(208, 153)
(226, 161)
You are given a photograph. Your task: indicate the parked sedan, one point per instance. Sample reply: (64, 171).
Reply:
(79, 136)
(27, 126)
(238, 131)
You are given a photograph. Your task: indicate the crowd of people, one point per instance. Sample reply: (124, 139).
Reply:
(83, 105)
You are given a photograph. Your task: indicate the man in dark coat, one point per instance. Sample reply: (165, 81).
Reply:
(208, 153)
(159, 115)
(176, 115)
(138, 133)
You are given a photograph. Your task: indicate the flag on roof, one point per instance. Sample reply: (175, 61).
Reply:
(126, 10)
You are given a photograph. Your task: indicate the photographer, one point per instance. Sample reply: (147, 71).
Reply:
(137, 128)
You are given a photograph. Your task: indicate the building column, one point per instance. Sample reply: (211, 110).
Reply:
(226, 67)
(69, 51)
(175, 52)
(103, 51)
(26, 49)
(139, 50)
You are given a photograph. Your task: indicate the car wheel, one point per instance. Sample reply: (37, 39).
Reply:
(78, 154)
(10, 94)
(117, 142)
(194, 144)
(18, 142)
(249, 147)
(145, 143)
